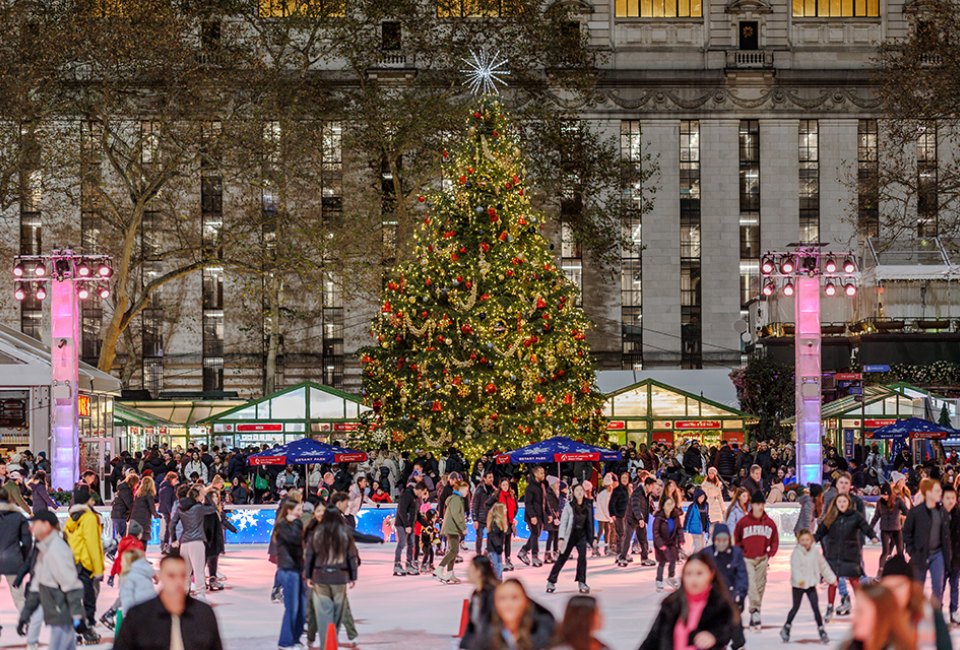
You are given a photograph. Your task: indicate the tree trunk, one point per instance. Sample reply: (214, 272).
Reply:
(273, 336)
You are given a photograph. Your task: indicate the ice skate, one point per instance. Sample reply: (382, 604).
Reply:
(551, 587)
(524, 557)
(398, 570)
(824, 639)
(785, 633)
(584, 588)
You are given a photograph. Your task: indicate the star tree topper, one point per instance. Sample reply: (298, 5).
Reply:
(484, 71)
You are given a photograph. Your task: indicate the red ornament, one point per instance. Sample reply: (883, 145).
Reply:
(485, 247)
(428, 282)
(541, 303)
(546, 315)
(491, 211)
(507, 185)
(503, 236)
(446, 154)
(392, 286)
(469, 170)
(538, 399)
(520, 191)
(423, 314)
(421, 198)
(516, 180)
(463, 249)
(436, 407)
(568, 399)
(491, 388)
(485, 296)
(399, 339)
(522, 221)
(462, 179)
(454, 257)
(509, 273)
(468, 284)
(449, 234)
(494, 416)
(466, 329)
(495, 134)
(477, 115)
(387, 308)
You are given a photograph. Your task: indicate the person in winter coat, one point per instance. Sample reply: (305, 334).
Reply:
(498, 532)
(480, 507)
(713, 488)
(288, 544)
(807, 568)
(738, 508)
(603, 515)
(39, 493)
(581, 621)
(132, 540)
(330, 564)
(733, 570)
(505, 496)
(576, 530)
(726, 464)
(840, 533)
(136, 580)
(754, 482)
(171, 620)
(515, 616)
(166, 497)
(697, 521)
(454, 527)
(213, 528)
(192, 540)
(123, 504)
(888, 512)
(807, 518)
(15, 545)
(534, 513)
(407, 509)
(667, 541)
(551, 521)
(195, 466)
(951, 508)
(55, 585)
(83, 533)
(144, 509)
(619, 501)
(480, 574)
(635, 520)
(926, 536)
(757, 536)
(697, 616)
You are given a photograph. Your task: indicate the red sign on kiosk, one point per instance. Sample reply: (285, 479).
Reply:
(273, 426)
(696, 424)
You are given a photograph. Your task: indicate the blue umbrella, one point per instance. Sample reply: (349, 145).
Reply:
(558, 450)
(913, 428)
(306, 451)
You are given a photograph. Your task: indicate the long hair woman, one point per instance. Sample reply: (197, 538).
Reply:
(889, 512)
(877, 623)
(841, 528)
(144, 509)
(698, 616)
(331, 563)
(713, 488)
(667, 540)
(480, 574)
(738, 508)
(575, 530)
(288, 544)
(581, 620)
(498, 532)
(518, 623)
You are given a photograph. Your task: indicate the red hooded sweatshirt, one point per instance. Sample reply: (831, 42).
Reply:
(756, 537)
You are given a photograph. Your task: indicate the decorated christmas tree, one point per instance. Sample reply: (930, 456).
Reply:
(479, 342)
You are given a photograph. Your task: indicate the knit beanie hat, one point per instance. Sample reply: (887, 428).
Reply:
(897, 566)
(758, 497)
(816, 490)
(134, 528)
(721, 529)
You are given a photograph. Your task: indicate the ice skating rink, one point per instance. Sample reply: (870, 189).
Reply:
(420, 613)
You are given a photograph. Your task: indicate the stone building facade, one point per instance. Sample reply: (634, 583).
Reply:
(761, 116)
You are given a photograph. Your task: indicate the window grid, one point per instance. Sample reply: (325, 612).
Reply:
(91, 311)
(211, 218)
(809, 155)
(868, 177)
(31, 226)
(475, 8)
(749, 150)
(332, 203)
(690, 263)
(836, 8)
(659, 9)
(927, 196)
(631, 275)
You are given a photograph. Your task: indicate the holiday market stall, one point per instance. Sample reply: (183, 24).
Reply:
(651, 411)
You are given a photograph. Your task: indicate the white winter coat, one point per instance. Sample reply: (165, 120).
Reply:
(807, 567)
(603, 506)
(137, 585)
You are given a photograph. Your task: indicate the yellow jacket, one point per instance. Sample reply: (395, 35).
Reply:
(83, 535)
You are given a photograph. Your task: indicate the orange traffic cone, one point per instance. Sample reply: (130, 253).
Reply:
(330, 642)
(464, 618)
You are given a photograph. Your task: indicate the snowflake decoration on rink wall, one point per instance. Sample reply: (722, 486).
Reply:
(484, 72)
(479, 342)
(243, 519)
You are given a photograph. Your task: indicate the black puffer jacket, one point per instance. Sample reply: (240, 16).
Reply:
(534, 502)
(407, 509)
(15, 539)
(618, 501)
(726, 463)
(481, 498)
(842, 545)
(718, 618)
(122, 502)
(288, 544)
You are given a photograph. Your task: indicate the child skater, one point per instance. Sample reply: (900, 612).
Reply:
(807, 567)
(429, 539)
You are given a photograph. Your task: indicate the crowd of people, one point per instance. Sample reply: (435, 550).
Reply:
(703, 509)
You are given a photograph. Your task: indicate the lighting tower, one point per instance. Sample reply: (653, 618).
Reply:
(801, 274)
(73, 277)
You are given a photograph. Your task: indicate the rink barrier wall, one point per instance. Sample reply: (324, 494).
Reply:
(255, 523)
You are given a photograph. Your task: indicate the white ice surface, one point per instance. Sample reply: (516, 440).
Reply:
(420, 613)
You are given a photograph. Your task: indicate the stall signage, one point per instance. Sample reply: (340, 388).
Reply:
(697, 424)
(357, 457)
(848, 376)
(876, 424)
(83, 405)
(733, 436)
(260, 427)
(662, 436)
(616, 425)
(880, 367)
(575, 458)
(346, 426)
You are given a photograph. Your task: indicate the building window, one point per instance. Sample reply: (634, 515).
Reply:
(659, 9)
(91, 311)
(631, 280)
(836, 8)
(690, 262)
(211, 224)
(749, 148)
(868, 178)
(332, 204)
(809, 181)
(927, 180)
(571, 256)
(301, 8)
(31, 225)
(475, 8)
